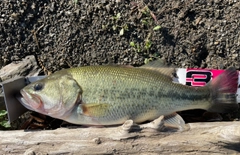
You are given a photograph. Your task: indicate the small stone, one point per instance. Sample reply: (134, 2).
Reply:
(15, 16)
(97, 140)
(30, 152)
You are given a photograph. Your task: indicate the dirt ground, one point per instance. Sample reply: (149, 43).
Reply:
(69, 33)
(76, 33)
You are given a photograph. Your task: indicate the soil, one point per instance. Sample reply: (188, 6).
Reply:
(75, 33)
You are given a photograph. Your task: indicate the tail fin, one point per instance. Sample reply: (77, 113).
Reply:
(223, 92)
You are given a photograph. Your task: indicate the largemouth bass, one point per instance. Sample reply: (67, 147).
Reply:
(110, 95)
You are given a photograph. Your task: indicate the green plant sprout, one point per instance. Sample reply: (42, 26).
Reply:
(123, 29)
(148, 44)
(147, 60)
(145, 22)
(75, 3)
(136, 47)
(156, 28)
(132, 44)
(117, 17)
(145, 10)
(121, 32)
(3, 122)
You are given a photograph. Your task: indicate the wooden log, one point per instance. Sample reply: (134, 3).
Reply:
(200, 138)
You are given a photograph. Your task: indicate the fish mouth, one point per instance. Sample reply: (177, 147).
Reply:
(32, 102)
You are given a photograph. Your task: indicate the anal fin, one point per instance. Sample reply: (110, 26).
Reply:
(167, 123)
(174, 122)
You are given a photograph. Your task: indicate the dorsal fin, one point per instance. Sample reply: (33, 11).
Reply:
(156, 63)
(161, 66)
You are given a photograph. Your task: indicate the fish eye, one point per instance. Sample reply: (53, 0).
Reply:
(38, 86)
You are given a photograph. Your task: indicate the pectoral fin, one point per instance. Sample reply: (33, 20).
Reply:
(94, 109)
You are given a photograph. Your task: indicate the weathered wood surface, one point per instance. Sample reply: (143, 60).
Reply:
(201, 138)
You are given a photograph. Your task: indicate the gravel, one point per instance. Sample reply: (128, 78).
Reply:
(70, 33)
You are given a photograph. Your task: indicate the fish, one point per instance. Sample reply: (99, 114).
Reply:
(112, 94)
